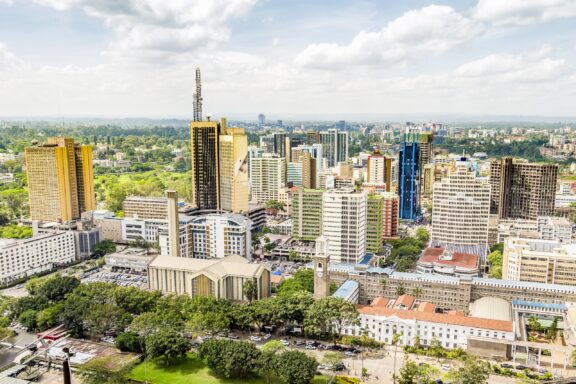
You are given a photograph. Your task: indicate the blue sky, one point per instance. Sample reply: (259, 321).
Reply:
(287, 57)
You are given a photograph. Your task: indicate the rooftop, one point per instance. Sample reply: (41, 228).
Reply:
(227, 266)
(457, 259)
(346, 289)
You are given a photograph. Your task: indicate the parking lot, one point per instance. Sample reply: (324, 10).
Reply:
(118, 278)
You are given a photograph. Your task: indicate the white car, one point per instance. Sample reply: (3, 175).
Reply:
(310, 346)
(255, 338)
(446, 367)
(267, 336)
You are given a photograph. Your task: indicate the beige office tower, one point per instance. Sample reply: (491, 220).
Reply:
(522, 190)
(308, 170)
(233, 160)
(461, 204)
(429, 170)
(268, 176)
(60, 180)
(173, 223)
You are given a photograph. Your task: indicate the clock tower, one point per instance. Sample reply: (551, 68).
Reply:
(321, 260)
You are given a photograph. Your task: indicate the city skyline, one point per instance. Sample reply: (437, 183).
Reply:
(337, 59)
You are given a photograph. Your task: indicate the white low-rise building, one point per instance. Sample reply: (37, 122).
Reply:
(20, 258)
(420, 321)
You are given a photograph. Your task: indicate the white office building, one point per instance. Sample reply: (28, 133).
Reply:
(21, 258)
(344, 224)
(267, 176)
(461, 211)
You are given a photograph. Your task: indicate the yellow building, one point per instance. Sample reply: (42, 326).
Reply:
(233, 167)
(60, 180)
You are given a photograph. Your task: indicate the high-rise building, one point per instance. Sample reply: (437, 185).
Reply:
(173, 223)
(279, 145)
(60, 180)
(145, 207)
(309, 173)
(261, 119)
(335, 146)
(374, 223)
(341, 125)
(344, 224)
(522, 190)
(294, 174)
(312, 137)
(204, 141)
(267, 143)
(233, 158)
(267, 176)
(380, 169)
(306, 213)
(409, 177)
(425, 140)
(461, 204)
(428, 179)
(390, 215)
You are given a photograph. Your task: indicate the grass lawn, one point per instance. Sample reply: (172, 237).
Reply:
(191, 371)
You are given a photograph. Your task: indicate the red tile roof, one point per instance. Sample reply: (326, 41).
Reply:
(380, 302)
(426, 307)
(465, 260)
(405, 300)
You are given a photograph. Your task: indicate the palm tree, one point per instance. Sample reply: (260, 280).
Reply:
(395, 339)
(383, 284)
(400, 290)
(417, 292)
(250, 290)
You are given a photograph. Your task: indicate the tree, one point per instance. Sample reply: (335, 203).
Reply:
(103, 370)
(472, 371)
(15, 232)
(295, 367)
(417, 292)
(273, 206)
(150, 322)
(495, 260)
(273, 346)
(573, 357)
(166, 344)
(28, 319)
(250, 290)
(411, 373)
(268, 364)
(129, 342)
(423, 235)
(383, 284)
(534, 324)
(102, 318)
(48, 318)
(57, 288)
(329, 315)
(303, 280)
(400, 289)
(230, 359)
(103, 248)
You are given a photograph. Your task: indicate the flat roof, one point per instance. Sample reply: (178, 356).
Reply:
(230, 265)
(346, 289)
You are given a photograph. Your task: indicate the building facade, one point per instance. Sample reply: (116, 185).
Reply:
(306, 213)
(540, 261)
(344, 224)
(409, 178)
(204, 151)
(522, 190)
(144, 207)
(335, 146)
(374, 223)
(60, 180)
(233, 168)
(220, 278)
(21, 258)
(268, 175)
(390, 215)
(461, 211)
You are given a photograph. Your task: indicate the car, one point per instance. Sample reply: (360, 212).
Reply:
(233, 336)
(310, 346)
(423, 365)
(521, 367)
(339, 367)
(445, 367)
(349, 353)
(506, 365)
(286, 343)
(299, 342)
(255, 338)
(267, 336)
(543, 371)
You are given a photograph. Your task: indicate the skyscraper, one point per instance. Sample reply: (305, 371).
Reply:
(306, 213)
(60, 180)
(204, 151)
(379, 169)
(522, 190)
(344, 224)
(335, 146)
(267, 176)
(409, 177)
(374, 222)
(309, 173)
(461, 204)
(261, 119)
(233, 168)
(279, 144)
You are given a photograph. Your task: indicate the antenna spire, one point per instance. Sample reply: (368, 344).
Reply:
(198, 97)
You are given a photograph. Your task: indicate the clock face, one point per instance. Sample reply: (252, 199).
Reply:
(319, 274)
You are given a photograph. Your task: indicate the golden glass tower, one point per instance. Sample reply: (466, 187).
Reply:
(60, 180)
(233, 167)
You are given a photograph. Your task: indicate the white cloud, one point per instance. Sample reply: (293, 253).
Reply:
(431, 30)
(9, 61)
(523, 12)
(507, 67)
(145, 26)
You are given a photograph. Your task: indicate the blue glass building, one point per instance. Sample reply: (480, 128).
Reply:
(409, 178)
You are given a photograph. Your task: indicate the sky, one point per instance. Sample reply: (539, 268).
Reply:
(136, 58)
